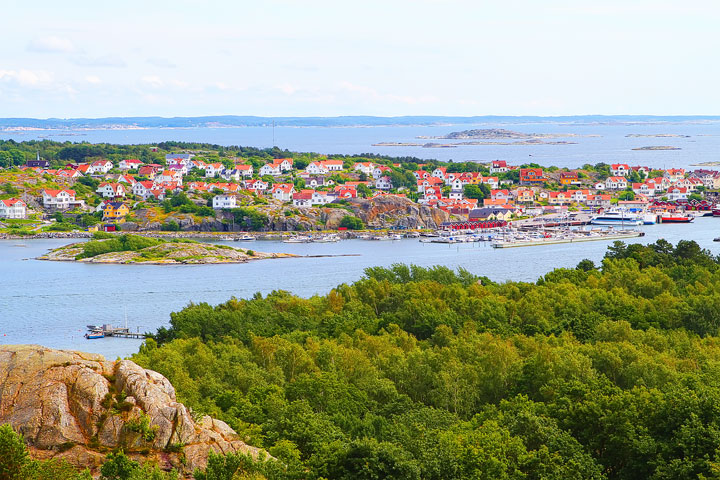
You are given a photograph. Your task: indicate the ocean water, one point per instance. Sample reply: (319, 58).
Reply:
(599, 142)
(49, 303)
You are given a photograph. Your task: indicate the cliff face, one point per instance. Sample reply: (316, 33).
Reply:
(78, 406)
(391, 210)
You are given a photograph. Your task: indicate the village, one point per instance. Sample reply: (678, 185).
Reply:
(106, 194)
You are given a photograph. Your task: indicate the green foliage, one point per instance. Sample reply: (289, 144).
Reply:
(117, 243)
(351, 222)
(170, 226)
(16, 464)
(141, 425)
(118, 466)
(250, 218)
(13, 454)
(479, 192)
(592, 372)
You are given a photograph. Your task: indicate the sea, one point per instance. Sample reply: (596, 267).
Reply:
(593, 142)
(50, 303)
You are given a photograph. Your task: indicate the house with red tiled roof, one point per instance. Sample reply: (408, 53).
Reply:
(142, 189)
(58, 199)
(282, 191)
(111, 190)
(532, 176)
(129, 164)
(257, 186)
(13, 208)
(100, 166)
(620, 169)
(498, 166)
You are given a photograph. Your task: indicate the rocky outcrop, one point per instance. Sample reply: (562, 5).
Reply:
(391, 210)
(78, 406)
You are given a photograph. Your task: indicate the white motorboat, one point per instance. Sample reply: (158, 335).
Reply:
(617, 217)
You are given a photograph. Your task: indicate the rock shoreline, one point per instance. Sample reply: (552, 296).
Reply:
(164, 254)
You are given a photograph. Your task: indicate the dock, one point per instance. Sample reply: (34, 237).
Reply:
(558, 240)
(120, 332)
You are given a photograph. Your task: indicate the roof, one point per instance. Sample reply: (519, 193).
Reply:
(55, 193)
(115, 205)
(12, 201)
(303, 195)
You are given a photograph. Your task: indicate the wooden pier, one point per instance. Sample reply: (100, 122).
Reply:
(120, 332)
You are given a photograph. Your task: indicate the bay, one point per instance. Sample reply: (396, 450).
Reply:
(49, 303)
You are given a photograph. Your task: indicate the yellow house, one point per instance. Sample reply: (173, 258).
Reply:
(115, 211)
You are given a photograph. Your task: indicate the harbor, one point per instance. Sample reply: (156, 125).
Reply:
(102, 331)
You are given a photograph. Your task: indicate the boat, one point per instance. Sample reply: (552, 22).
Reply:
(717, 239)
(649, 218)
(298, 239)
(716, 211)
(95, 334)
(245, 238)
(396, 237)
(94, 328)
(617, 217)
(668, 217)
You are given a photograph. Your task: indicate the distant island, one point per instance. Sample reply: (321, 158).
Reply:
(500, 134)
(220, 121)
(656, 135)
(134, 249)
(658, 147)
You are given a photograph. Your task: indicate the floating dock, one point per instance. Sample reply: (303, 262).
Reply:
(557, 240)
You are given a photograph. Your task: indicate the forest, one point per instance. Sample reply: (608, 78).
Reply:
(601, 371)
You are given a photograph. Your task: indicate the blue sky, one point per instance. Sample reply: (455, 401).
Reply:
(306, 58)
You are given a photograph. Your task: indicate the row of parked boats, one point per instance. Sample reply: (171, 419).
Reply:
(627, 218)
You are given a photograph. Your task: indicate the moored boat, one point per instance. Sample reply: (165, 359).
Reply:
(95, 334)
(669, 217)
(617, 217)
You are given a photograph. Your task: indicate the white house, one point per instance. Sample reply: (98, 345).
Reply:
(321, 198)
(383, 183)
(58, 199)
(616, 183)
(283, 191)
(380, 171)
(333, 165)
(100, 166)
(316, 168)
(440, 172)
(620, 169)
(364, 167)
(270, 169)
(303, 198)
(111, 190)
(498, 166)
(677, 193)
(257, 186)
(224, 201)
(12, 208)
(212, 169)
(142, 188)
(168, 176)
(246, 171)
(129, 164)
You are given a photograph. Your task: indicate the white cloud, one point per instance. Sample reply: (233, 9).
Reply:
(26, 78)
(94, 79)
(51, 44)
(153, 81)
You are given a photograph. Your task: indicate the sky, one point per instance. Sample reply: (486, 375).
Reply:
(329, 58)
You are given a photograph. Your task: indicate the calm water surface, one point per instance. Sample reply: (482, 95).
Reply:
(599, 142)
(49, 303)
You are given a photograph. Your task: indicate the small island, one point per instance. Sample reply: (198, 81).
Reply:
(658, 147)
(134, 249)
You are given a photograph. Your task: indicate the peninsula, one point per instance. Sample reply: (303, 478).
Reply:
(133, 249)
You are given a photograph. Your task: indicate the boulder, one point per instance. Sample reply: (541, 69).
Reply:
(78, 406)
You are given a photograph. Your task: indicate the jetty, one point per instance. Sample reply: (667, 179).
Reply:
(107, 330)
(570, 237)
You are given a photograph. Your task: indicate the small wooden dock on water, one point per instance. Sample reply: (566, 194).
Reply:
(110, 331)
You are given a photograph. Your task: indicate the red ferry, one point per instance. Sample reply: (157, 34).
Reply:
(667, 217)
